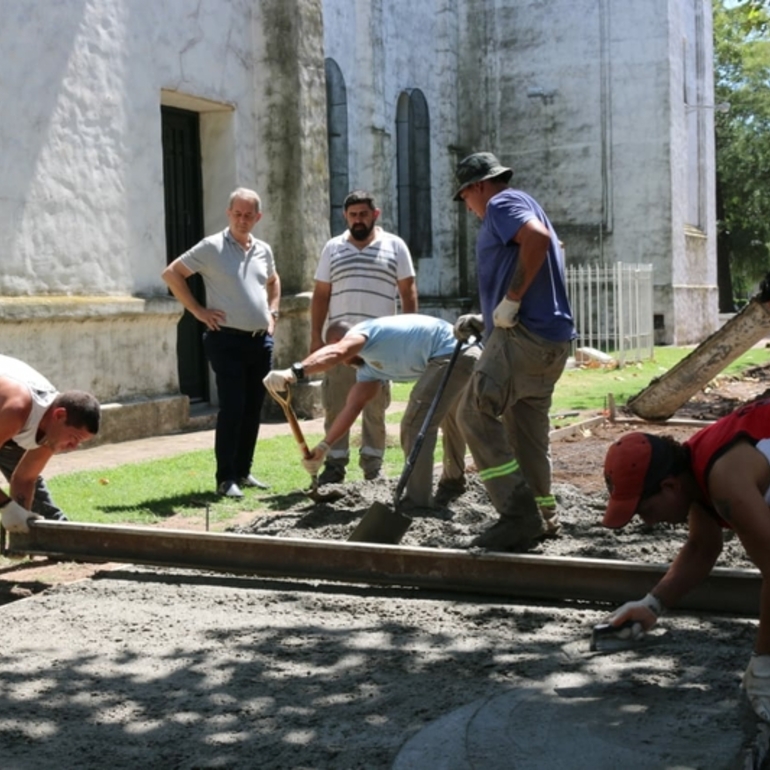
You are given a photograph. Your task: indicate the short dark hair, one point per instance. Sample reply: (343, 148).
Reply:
(359, 196)
(83, 410)
(336, 329)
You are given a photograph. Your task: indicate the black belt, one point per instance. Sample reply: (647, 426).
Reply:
(243, 332)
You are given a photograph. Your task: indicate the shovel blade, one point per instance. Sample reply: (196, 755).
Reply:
(381, 524)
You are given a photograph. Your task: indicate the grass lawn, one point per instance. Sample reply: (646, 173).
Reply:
(147, 493)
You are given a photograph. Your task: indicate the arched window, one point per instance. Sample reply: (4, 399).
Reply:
(414, 189)
(337, 138)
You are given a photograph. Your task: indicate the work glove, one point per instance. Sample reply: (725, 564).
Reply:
(14, 517)
(644, 614)
(506, 314)
(467, 326)
(756, 683)
(313, 463)
(279, 379)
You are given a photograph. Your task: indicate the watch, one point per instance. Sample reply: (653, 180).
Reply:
(299, 371)
(275, 314)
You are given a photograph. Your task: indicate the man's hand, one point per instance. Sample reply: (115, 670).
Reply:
(15, 518)
(506, 314)
(467, 326)
(279, 379)
(313, 463)
(644, 614)
(756, 683)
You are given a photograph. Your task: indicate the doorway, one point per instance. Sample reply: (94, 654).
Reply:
(183, 194)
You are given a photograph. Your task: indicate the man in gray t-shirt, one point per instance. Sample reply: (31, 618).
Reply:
(243, 292)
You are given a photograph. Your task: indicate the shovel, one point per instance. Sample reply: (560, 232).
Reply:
(313, 493)
(380, 523)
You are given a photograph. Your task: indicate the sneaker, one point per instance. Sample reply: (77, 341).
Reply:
(511, 535)
(447, 492)
(252, 481)
(229, 489)
(332, 474)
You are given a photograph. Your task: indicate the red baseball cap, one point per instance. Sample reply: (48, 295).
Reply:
(634, 467)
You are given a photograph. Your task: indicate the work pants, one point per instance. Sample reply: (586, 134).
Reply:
(420, 483)
(503, 414)
(335, 387)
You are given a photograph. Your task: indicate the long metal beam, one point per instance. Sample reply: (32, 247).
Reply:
(523, 576)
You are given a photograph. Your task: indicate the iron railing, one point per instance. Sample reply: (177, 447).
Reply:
(612, 308)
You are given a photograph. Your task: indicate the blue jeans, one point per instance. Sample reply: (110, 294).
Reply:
(240, 363)
(42, 503)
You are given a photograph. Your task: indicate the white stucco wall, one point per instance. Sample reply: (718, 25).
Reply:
(586, 104)
(384, 49)
(82, 190)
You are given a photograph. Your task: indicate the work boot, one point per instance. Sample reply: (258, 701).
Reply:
(448, 491)
(371, 466)
(509, 534)
(332, 474)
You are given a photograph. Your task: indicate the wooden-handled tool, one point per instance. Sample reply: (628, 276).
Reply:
(285, 402)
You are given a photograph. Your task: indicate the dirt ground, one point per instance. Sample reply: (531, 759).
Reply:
(175, 669)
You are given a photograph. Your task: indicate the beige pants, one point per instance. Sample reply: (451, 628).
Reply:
(335, 387)
(503, 414)
(420, 484)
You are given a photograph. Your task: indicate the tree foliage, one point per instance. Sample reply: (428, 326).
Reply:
(742, 79)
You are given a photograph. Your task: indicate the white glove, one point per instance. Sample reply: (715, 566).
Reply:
(467, 326)
(756, 683)
(313, 463)
(506, 314)
(279, 379)
(644, 613)
(15, 517)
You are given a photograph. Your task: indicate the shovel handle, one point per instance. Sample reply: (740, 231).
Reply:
(291, 418)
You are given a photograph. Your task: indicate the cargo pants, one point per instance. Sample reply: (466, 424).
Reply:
(335, 387)
(503, 414)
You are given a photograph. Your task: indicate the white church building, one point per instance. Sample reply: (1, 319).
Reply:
(127, 123)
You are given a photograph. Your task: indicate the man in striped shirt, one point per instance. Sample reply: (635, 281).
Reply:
(361, 275)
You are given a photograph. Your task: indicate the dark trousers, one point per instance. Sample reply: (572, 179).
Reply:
(42, 503)
(240, 363)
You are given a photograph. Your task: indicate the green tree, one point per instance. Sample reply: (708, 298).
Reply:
(742, 79)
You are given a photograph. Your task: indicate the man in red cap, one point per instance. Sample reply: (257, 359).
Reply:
(719, 478)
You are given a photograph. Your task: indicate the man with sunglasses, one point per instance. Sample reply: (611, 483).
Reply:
(717, 479)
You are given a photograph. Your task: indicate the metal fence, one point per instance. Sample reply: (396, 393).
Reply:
(612, 307)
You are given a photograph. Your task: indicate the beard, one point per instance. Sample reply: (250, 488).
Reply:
(360, 231)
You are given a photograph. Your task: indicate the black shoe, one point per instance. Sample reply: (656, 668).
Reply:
(511, 534)
(229, 489)
(252, 481)
(447, 493)
(332, 474)
(373, 475)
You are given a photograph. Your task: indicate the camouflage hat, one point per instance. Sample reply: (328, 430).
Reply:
(478, 167)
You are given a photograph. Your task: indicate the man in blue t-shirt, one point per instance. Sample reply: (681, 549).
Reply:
(399, 348)
(527, 325)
